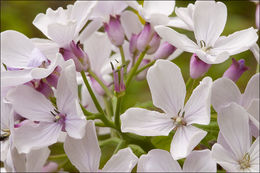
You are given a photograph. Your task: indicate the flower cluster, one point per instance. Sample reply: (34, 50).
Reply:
(62, 97)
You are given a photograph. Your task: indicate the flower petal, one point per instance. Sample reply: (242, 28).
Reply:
(195, 162)
(123, 161)
(185, 140)
(211, 58)
(186, 15)
(209, 19)
(224, 92)
(255, 50)
(197, 109)
(178, 23)
(167, 86)
(14, 78)
(253, 110)
(234, 126)
(84, 153)
(34, 163)
(254, 155)
(146, 123)
(158, 160)
(31, 104)
(159, 7)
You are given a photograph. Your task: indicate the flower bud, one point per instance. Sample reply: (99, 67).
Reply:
(96, 86)
(164, 51)
(236, 69)
(118, 75)
(142, 75)
(197, 67)
(154, 43)
(144, 38)
(115, 31)
(132, 44)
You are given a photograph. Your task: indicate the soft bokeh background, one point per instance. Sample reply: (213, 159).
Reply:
(18, 15)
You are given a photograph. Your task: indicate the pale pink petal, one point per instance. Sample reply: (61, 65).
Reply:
(251, 91)
(254, 156)
(14, 78)
(34, 163)
(186, 15)
(253, 109)
(159, 7)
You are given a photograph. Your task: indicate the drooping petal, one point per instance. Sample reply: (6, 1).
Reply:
(185, 140)
(251, 91)
(225, 158)
(84, 153)
(178, 40)
(234, 125)
(254, 156)
(40, 135)
(123, 161)
(15, 78)
(167, 86)
(209, 19)
(159, 7)
(34, 163)
(224, 92)
(197, 109)
(146, 123)
(31, 104)
(158, 161)
(200, 161)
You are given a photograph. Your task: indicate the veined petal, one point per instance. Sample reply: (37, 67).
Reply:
(31, 104)
(158, 160)
(254, 155)
(221, 140)
(225, 158)
(146, 123)
(237, 42)
(178, 40)
(34, 163)
(186, 15)
(167, 86)
(185, 140)
(234, 125)
(84, 153)
(159, 7)
(200, 161)
(212, 57)
(197, 109)
(224, 92)
(209, 19)
(123, 161)
(14, 78)
(40, 135)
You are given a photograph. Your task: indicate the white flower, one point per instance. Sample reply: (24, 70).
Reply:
(34, 106)
(240, 155)
(225, 91)
(85, 154)
(161, 161)
(168, 93)
(209, 19)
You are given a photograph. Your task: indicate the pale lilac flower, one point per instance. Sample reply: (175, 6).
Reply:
(236, 69)
(209, 19)
(158, 160)
(240, 155)
(225, 91)
(197, 67)
(67, 116)
(85, 154)
(168, 93)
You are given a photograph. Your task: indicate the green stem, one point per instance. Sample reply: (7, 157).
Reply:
(134, 69)
(58, 156)
(120, 145)
(105, 88)
(144, 67)
(85, 112)
(188, 82)
(122, 57)
(257, 68)
(117, 114)
(109, 109)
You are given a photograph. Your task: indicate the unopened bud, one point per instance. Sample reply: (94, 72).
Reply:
(164, 51)
(119, 85)
(197, 67)
(154, 43)
(115, 31)
(96, 86)
(236, 69)
(132, 44)
(142, 75)
(145, 36)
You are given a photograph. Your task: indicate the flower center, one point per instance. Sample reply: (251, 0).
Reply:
(5, 135)
(204, 47)
(245, 162)
(179, 121)
(59, 118)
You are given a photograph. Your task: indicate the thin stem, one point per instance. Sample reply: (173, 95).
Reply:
(117, 114)
(109, 109)
(122, 57)
(85, 112)
(119, 146)
(134, 69)
(58, 156)
(145, 67)
(257, 68)
(105, 88)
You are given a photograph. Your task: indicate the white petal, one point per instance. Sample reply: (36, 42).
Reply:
(84, 153)
(200, 161)
(224, 92)
(14, 78)
(178, 40)
(209, 19)
(17, 161)
(158, 161)
(234, 125)
(251, 91)
(34, 163)
(16, 49)
(253, 110)
(31, 104)
(39, 135)
(212, 57)
(146, 123)
(237, 42)
(178, 23)
(159, 7)
(131, 23)
(167, 86)
(254, 155)
(197, 109)
(221, 140)
(255, 50)
(225, 158)
(175, 54)
(123, 161)
(185, 140)
(186, 15)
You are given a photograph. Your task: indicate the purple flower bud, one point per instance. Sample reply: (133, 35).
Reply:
(257, 14)
(118, 74)
(53, 78)
(115, 31)
(236, 69)
(197, 67)
(145, 36)
(142, 75)
(154, 43)
(96, 86)
(164, 51)
(132, 44)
